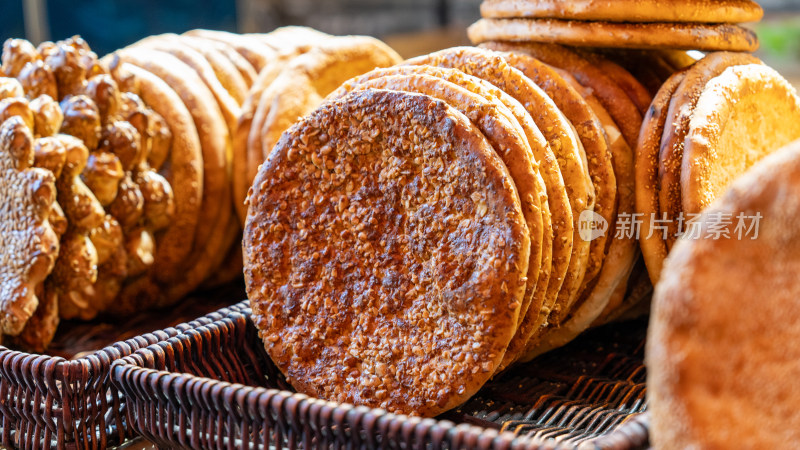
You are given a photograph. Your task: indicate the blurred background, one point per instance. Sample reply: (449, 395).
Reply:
(410, 26)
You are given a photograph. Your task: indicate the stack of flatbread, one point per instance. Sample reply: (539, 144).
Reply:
(650, 24)
(707, 125)
(119, 172)
(435, 222)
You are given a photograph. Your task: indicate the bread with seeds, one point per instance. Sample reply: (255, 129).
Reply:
(385, 254)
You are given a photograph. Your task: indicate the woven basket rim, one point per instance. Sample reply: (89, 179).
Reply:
(51, 379)
(132, 368)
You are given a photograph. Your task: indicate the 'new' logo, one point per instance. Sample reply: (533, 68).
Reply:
(591, 225)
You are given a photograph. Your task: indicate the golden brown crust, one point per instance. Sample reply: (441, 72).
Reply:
(139, 248)
(128, 206)
(110, 277)
(74, 275)
(672, 140)
(676, 35)
(105, 94)
(305, 82)
(257, 53)
(102, 175)
(569, 261)
(80, 205)
(613, 98)
(597, 147)
(47, 116)
(225, 70)
(159, 199)
(698, 399)
(535, 313)
(744, 114)
(172, 44)
(636, 92)
(31, 246)
(19, 107)
(208, 260)
(16, 54)
(185, 173)
(717, 11)
(75, 269)
(509, 141)
(622, 249)
(654, 247)
(245, 69)
(108, 241)
(598, 144)
(82, 120)
(433, 346)
(10, 88)
(41, 327)
(316, 74)
(69, 68)
(49, 153)
(243, 148)
(38, 79)
(214, 141)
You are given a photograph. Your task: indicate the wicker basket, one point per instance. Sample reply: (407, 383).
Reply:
(51, 401)
(214, 387)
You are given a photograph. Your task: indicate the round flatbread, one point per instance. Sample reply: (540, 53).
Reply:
(613, 98)
(172, 44)
(714, 362)
(214, 143)
(303, 84)
(742, 115)
(245, 69)
(507, 139)
(554, 192)
(242, 145)
(257, 53)
(498, 123)
(185, 173)
(621, 249)
(719, 11)
(687, 36)
(653, 244)
(348, 249)
(569, 261)
(226, 72)
(596, 146)
(680, 110)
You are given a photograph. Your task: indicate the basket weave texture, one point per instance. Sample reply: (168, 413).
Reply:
(214, 387)
(69, 402)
